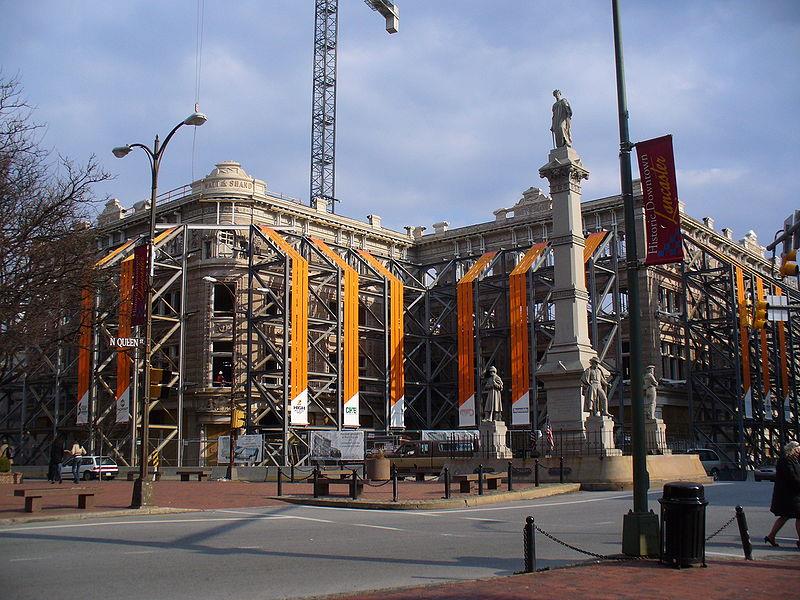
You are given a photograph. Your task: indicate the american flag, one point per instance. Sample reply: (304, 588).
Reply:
(548, 431)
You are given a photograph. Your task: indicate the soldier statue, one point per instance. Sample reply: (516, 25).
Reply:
(493, 404)
(651, 389)
(593, 387)
(562, 121)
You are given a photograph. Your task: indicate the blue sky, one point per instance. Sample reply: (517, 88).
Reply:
(446, 120)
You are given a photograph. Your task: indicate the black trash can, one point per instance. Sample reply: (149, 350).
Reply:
(683, 524)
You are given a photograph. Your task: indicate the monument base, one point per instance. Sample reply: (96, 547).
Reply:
(493, 440)
(600, 436)
(655, 433)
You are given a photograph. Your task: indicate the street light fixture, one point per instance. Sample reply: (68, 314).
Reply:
(142, 490)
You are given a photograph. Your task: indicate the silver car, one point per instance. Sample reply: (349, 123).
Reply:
(91, 467)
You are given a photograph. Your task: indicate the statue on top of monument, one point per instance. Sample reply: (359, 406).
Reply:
(593, 388)
(493, 404)
(651, 389)
(562, 120)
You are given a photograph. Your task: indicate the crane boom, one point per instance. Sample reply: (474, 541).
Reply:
(323, 104)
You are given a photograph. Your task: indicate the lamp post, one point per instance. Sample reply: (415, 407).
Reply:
(142, 490)
(232, 438)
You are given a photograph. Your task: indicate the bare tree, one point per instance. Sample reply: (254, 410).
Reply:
(47, 248)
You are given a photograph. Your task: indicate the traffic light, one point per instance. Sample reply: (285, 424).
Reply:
(238, 418)
(789, 263)
(760, 314)
(744, 313)
(159, 383)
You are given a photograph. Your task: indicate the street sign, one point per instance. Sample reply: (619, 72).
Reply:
(124, 343)
(778, 308)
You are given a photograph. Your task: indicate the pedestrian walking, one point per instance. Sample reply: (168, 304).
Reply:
(56, 456)
(786, 494)
(76, 452)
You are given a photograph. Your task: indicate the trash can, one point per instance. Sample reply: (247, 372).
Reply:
(683, 524)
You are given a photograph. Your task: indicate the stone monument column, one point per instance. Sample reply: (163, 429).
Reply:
(571, 351)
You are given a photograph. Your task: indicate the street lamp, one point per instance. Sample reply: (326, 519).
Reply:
(142, 490)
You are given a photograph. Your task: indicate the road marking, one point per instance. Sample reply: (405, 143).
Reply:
(141, 552)
(605, 523)
(463, 510)
(373, 526)
(307, 519)
(25, 559)
(482, 519)
(724, 554)
(153, 522)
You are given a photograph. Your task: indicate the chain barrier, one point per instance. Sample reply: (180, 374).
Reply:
(718, 531)
(375, 485)
(586, 552)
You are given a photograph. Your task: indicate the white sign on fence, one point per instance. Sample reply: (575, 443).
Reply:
(249, 449)
(337, 445)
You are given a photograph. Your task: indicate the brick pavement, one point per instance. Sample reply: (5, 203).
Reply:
(722, 580)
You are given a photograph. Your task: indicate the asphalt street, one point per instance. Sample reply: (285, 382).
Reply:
(297, 551)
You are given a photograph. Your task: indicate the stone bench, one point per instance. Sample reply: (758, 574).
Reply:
(465, 481)
(33, 497)
(419, 473)
(322, 486)
(186, 474)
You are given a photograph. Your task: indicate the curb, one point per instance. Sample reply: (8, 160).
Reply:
(491, 498)
(155, 510)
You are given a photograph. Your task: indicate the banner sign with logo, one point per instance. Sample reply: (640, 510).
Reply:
(663, 237)
(337, 445)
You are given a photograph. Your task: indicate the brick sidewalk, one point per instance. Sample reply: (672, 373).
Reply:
(206, 495)
(722, 580)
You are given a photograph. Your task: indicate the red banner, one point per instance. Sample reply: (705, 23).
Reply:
(139, 295)
(662, 219)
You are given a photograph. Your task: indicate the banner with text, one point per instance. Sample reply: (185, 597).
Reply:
(663, 237)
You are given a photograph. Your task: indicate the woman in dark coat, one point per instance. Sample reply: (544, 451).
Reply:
(786, 493)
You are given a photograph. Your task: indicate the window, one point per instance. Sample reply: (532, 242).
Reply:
(224, 295)
(672, 363)
(626, 360)
(221, 362)
(225, 243)
(670, 301)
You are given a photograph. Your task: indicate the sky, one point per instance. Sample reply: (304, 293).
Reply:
(446, 120)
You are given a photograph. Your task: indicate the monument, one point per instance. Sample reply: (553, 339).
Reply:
(655, 430)
(492, 428)
(571, 354)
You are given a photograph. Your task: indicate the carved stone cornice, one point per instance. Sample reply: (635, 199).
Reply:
(570, 238)
(569, 293)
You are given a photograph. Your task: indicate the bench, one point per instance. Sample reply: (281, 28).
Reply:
(465, 481)
(33, 497)
(155, 475)
(322, 486)
(186, 474)
(419, 473)
(336, 473)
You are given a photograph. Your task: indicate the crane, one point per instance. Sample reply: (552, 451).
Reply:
(323, 107)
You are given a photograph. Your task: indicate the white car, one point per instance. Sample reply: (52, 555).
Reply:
(91, 467)
(710, 459)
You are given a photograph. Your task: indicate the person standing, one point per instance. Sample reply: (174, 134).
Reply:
(76, 452)
(56, 456)
(785, 503)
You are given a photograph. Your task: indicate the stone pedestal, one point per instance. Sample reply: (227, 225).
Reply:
(493, 440)
(600, 436)
(655, 434)
(571, 350)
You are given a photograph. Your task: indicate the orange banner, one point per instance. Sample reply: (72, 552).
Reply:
(744, 342)
(466, 341)
(84, 356)
(593, 242)
(350, 348)
(396, 342)
(520, 357)
(298, 316)
(123, 396)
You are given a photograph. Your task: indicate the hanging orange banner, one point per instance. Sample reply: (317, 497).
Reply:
(520, 357)
(466, 341)
(350, 348)
(298, 317)
(396, 341)
(123, 396)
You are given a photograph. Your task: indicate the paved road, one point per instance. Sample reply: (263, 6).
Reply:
(295, 551)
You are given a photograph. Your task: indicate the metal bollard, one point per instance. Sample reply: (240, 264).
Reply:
(353, 486)
(447, 483)
(280, 482)
(741, 520)
(394, 483)
(529, 543)
(316, 477)
(510, 480)
(480, 480)
(536, 473)
(560, 469)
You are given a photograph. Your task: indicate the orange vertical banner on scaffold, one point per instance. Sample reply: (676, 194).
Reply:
(765, 378)
(298, 318)
(350, 349)
(396, 327)
(593, 242)
(744, 343)
(520, 357)
(84, 356)
(784, 363)
(123, 391)
(466, 341)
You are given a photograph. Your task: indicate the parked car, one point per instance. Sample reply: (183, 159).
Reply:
(710, 459)
(91, 467)
(765, 473)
